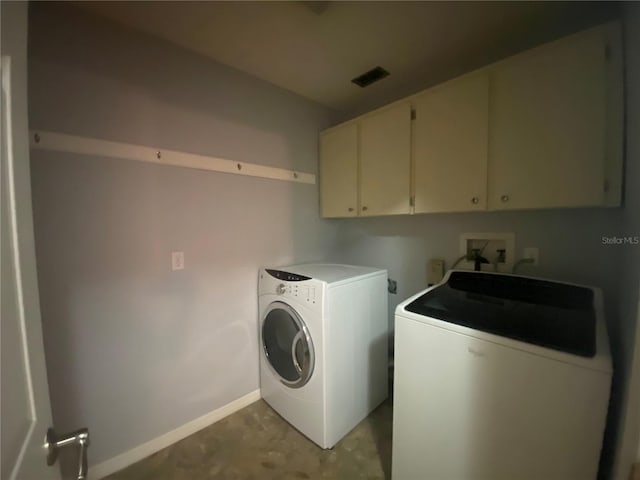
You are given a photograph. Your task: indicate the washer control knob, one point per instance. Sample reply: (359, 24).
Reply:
(280, 289)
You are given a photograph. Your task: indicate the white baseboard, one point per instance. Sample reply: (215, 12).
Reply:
(136, 454)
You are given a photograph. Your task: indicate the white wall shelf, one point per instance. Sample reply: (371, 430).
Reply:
(61, 142)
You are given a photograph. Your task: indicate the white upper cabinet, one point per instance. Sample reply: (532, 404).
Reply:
(548, 108)
(450, 145)
(385, 161)
(339, 171)
(542, 129)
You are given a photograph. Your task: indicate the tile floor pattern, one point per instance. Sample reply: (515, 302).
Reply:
(256, 443)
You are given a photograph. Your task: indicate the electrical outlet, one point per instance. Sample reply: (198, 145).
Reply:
(177, 260)
(392, 286)
(435, 271)
(532, 253)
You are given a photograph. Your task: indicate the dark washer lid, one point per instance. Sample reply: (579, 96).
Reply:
(539, 312)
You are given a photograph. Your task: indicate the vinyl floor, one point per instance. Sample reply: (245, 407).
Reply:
(256, 443)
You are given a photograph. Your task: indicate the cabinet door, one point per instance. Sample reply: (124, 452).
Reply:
(385, 143)
(339, 171)
(547, 126)
(450, 146)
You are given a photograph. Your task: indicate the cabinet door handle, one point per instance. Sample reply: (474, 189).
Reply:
(475, 200)
(350, 209)
(504, 198)
(364, 209)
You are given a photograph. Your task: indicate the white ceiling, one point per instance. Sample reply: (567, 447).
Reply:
(315, 48)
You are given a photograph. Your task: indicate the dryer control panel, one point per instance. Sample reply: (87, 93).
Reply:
(295, 287)
(300, 292)
(289, 277)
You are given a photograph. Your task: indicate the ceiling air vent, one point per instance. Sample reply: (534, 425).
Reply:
(370, 77)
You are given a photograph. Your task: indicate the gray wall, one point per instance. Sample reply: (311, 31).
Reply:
(627, 399)
(133, 349)
(570, 244)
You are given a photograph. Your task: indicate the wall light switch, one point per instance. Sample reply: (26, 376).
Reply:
(177, 260)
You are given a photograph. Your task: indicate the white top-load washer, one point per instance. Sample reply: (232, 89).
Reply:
(323, 342)
(500, 377)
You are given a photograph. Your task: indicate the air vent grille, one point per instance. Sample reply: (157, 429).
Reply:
(370, 77)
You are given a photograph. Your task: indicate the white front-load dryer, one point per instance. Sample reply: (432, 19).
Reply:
(323, 346)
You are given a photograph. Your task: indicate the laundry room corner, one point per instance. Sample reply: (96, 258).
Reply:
(272, 242)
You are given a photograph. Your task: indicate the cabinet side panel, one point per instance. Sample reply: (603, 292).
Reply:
(615, 117)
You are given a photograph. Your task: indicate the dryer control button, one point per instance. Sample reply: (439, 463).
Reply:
(280, 289)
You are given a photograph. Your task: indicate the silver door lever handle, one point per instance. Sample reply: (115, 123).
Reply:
(54, 442)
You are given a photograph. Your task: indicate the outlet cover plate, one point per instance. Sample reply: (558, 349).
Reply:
(532, 252)
(435, 271)
(177, 260)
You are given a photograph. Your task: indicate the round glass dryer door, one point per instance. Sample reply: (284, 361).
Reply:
(287, 345)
